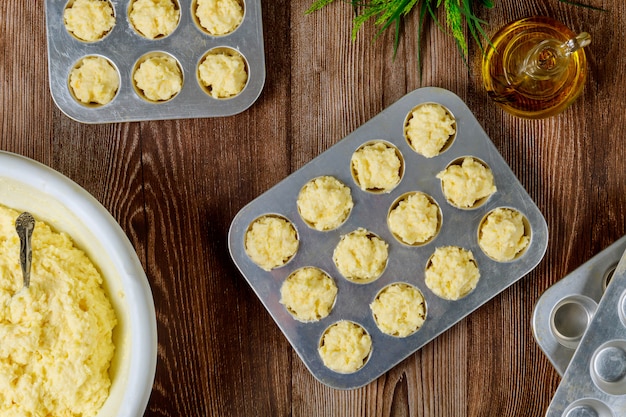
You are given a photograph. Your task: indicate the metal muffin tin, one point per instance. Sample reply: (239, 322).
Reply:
(123, 46)
(594, 383)
(406, 263)
(564, 311)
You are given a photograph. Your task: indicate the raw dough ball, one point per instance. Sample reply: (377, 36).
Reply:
(271, 241)
(361, 256)
(89, 20)
(219, 17)
(324, 203)
(308, 294)
(376, 167)
(159, 78)
(466, 184)
(502, 236)
(399, 310)
(452, 272)
(223, 73)
(94, 81)
(429, 128)
(345, 347)
(415, 219)
(153, 18)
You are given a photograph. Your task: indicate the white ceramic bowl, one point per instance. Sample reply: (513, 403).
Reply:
(26, 185)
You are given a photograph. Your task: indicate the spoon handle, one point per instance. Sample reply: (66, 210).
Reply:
(24, 226)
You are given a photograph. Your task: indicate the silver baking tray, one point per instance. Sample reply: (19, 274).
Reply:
(123, 46)
(563, 312)
(406, 264)
(594, 383)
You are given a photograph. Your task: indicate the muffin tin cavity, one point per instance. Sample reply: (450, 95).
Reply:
(504, 234)
(324, 203)
(361, 256)
(157, 77)
(414, 219)
(222, 73)
(451, 272)
(430, 129)
(467, 182)
(377, 167)
(218, 17)
(345, 347)
(89, 20)
(271, 241)
(154, 19)
(570, 319)
(385, 257)
(399, 309)
(308, 294)
(125, 32)
(93, 81)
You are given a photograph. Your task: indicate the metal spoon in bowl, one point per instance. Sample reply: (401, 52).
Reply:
(24, 225)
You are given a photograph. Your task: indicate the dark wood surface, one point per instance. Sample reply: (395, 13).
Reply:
(175, 186)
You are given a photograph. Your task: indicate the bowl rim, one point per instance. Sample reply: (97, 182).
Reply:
(143, 344)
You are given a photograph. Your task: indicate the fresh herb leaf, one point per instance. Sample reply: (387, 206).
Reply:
(459, 15)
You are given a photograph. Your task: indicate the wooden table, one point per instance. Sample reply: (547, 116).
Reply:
(175, 186)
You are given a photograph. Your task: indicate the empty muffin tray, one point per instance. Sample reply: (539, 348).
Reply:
(594, 382)
(406, 264)
(125, 48)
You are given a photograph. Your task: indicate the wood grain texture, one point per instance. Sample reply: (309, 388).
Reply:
(175, 186)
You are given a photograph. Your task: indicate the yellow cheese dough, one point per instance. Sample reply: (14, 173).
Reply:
(55, 336)
(89, 20)
(376, 167)
(345, 347)
(224, 74)
(361, 256)
(324, 203)
(308, 294)
(452, 272)
(415, 219)
(219, 17)
(271, 241)
(429, 128)
(153, 18)
(502, 235)
(399, 310)
(159, 78)
(94, 81)
(465, 184)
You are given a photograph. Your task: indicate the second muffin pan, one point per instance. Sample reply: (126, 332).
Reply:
(124, 48)
(406, 264)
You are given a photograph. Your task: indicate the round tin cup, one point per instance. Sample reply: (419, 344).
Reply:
(410, 116)
(77, 64)
(129, 10)
(278, 216)
(69, 5)
(527, 232)
(570, 318)
(227, 51)
(588, 407)
(144, 58)
(608, 367)
(312, 225)
(404, 197)
(355, 174)
(382, 290)
(294, 313)
(481, 201)
(196, 20)
(329, 328)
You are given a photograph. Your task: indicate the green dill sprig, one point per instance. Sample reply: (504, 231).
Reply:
(459, 14)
